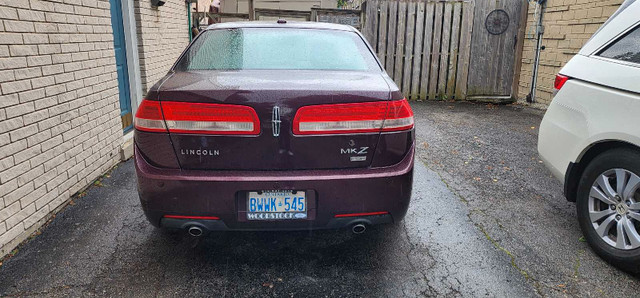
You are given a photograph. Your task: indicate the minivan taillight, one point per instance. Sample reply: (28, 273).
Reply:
(353, 118)
(559, 82)
(197, 118)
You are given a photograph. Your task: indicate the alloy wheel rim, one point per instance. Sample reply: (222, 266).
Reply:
(614, 208)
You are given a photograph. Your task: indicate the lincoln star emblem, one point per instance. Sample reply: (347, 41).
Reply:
(275, 119)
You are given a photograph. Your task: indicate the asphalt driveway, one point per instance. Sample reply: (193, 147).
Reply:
(487, 154)
(486, 219)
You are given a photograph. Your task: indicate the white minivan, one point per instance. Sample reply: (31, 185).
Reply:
(590, 137)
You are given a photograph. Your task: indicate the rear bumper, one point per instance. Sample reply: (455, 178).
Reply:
(222, 194)
(562, 130)
(219, 225)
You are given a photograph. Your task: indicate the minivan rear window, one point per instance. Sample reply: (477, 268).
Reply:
(627, 48)
(278, 48)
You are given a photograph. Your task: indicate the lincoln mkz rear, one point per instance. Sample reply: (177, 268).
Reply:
(271, 126)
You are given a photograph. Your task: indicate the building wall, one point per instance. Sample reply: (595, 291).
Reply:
(60, 124)
(163, 33)
(568, 25)
(203, 5)
(242, 6)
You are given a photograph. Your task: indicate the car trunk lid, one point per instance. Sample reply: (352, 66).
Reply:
(275, 96)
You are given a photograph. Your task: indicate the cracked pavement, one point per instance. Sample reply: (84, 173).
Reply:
(486, 219)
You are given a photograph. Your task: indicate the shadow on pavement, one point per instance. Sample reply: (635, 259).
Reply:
(333, 263)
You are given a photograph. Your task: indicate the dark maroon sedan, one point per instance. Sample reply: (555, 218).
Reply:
(275, 126)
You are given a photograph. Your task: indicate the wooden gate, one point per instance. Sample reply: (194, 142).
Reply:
(426, 46)
(495, 58)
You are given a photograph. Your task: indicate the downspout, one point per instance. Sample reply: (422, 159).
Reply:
(539, 32)
(189, 17)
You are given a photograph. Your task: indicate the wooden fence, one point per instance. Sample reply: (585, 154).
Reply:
(424, 46)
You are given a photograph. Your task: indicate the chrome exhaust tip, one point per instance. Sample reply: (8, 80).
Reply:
(358, 228)
(195, 231)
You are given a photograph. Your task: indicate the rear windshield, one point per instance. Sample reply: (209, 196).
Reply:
(275, 48)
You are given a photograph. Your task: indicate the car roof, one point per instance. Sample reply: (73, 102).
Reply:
(276, 24)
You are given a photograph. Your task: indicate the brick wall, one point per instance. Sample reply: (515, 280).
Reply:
(60, 122)
(242, 6)
(163, 33)
(568, 25)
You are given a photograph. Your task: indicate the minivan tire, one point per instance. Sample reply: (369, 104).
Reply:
(622, 158)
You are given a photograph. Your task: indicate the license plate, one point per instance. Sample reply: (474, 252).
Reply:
(276, 205)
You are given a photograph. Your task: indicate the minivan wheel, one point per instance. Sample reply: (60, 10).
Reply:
(608, 207)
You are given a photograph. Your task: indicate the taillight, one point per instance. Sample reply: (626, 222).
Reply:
(399, 116)
(559, 82)
(203, 118)
(149, 117)
(207, 118)
(353, 118)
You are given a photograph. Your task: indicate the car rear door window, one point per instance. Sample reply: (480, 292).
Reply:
(627, 48)
(269, 48)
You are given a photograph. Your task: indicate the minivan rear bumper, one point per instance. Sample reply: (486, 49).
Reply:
(222, 194)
